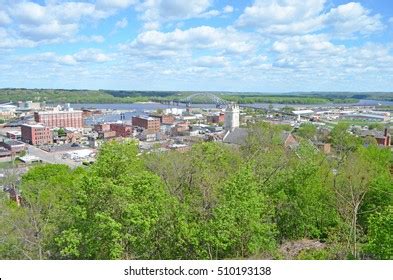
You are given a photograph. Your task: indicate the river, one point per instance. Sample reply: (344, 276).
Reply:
(133, 109)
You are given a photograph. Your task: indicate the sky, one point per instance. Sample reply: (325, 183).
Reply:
(195, 45)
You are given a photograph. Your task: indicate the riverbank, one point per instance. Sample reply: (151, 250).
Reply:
(58, 96)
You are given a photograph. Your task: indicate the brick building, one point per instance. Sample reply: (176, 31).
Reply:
(36, 134)
(165, 119)
(13, 145)
(148, 123)
(218, 118)
(383, 138)
(121, 129)
(55, 118)
(102, 127)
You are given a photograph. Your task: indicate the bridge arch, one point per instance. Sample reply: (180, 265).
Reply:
(209, 96)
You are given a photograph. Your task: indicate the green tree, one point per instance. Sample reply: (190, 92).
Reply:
(242, 223)
(380, 234)
(307, 131)
(342, 140)
(358, 183)
(119, 215)
(47, 191)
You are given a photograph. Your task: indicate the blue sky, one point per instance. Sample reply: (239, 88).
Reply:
(254, 45)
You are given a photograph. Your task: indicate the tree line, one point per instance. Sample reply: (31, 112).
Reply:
(122, 96)
(212, 202)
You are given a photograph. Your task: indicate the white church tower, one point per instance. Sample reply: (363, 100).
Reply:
(232, 114)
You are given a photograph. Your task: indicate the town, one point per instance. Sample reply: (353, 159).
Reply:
(306, 160)
(59, 134)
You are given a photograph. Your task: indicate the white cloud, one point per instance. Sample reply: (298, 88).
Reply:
(115, 4)
(50, 23)
(305, 43)
(209, 14)
(4, 18)
(283, 16)
(83, 56)
(91, 55)
(211, 61)
(54, 21)
(204, 37)
(214, 13)
(228, 9)
(316, 56)
(256, 60)
(352, 18)
(48, 31)
(308, 16)
(159, 11)
(121, 23)
(8, 41)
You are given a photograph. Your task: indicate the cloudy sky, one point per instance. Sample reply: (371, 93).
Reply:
(234, 45)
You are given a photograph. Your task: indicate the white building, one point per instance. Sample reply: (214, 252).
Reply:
(174, 111)
(232, 116)
(7, 111)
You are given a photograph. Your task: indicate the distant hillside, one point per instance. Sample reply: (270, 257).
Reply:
(125, 96)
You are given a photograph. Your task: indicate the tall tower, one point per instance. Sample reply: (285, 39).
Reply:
(232, 114)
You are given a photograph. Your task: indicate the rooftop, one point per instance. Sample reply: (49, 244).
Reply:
(13, 142)
(59, 112)
(34, 125)
(146, 118)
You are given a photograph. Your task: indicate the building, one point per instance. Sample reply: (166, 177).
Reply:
(16, 135)
(217, 118)
(300, 113)
(232, 116)
(57, 118)
(87, 113)
(107, 134)
(174, 111)
(121, 129)
(4, 152)
(238, 136)
(367, 117)
(28, 106)
(36, 134)
(164, 119)
(7, 111)
(181, 129)
(148, 123)
(102, 127)
(13, 145)
(383, 138)
(149, 136)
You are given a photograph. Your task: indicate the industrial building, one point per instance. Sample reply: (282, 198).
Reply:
(57, 118)
(148, 123)
(36, 134)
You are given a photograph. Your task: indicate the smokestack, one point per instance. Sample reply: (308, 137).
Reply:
(386, 132)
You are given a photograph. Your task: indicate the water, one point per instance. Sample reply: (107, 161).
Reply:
(134, 109)
(129, 110)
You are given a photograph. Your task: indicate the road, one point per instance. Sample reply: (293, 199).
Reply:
(54, 158)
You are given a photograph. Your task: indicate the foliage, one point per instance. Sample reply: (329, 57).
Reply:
(380, 236)
(212, 202)
(307, 131)
(121, 96)
(342, 140)
(242, 225)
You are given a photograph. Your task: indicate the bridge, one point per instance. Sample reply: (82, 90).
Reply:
(213, 99)
(193, 98)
